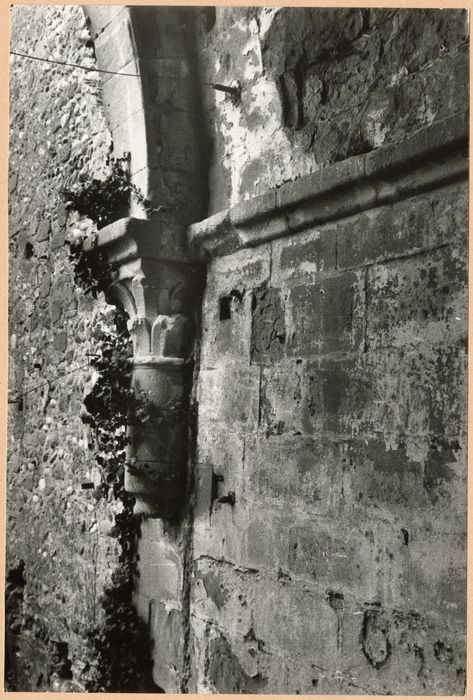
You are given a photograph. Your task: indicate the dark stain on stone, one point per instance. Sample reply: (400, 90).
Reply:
(214, 589)
(228, 498)
(391, 474)
(275, 428)
(14, 621)
(256, 167)
(405, 535)
(443, 652)
(283, 576)
(374, 637)
(59, 662)
(29, 250)
(216, 480)
(251, 638)
(410, 630)
(337, 390)
(420, 655)
(229, 303)
(225, 672)
(336, 601)
(437, 467)
(268, 330)
(224, 309)
(291, 85)
(391, 460)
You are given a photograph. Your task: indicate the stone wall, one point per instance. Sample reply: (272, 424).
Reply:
(329, 531)
(322, 546)
(329, 539)
(59, 554)
(320, 85)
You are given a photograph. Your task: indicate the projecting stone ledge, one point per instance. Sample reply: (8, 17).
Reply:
(435, 156)
(160, 295)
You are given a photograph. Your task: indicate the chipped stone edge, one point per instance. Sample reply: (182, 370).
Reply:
(430, 158)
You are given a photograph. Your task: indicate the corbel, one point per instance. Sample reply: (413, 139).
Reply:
(159, 294)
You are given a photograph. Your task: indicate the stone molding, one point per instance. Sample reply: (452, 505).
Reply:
(430, 158)
(151, 100)
(153, 108)
(159, 295)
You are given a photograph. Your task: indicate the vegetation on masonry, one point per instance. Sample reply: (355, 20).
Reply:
(119, 647)
(104, 201)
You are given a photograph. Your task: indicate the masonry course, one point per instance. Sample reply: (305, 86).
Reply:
(355, 449)
(321, 544)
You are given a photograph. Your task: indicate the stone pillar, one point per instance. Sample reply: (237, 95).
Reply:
(158, 294)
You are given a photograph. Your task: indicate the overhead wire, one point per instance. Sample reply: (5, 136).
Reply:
(72, 65)
(216, 86)
(48, 382)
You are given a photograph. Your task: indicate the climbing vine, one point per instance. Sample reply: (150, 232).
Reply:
(104, 201)
(120, 644)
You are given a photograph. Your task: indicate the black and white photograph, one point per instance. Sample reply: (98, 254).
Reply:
(237, 350)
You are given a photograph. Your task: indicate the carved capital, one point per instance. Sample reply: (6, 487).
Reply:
(157, 291)
(159, 294)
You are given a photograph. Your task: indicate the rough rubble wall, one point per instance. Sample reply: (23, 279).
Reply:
(320, 85)
(55, 527)
(329, 534)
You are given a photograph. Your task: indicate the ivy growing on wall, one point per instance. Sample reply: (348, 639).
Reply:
(105, 201)
(119, 646)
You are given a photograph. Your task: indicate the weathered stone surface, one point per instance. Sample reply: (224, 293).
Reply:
(268, 327)
(227, 306)
(168, 645)
(349, 481)
(433, 157)
(417, 224)
(406, 479)
(418, 301)
(322, 549)
(227, 333)
(114, 29)
(54, 114)
(327, 317)
(230, 395)
(162, 571)
(303, 256)
(420, 393)
(281, 407)
(321, 85)
(311, 478)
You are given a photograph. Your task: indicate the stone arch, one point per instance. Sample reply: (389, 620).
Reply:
(151, 101)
